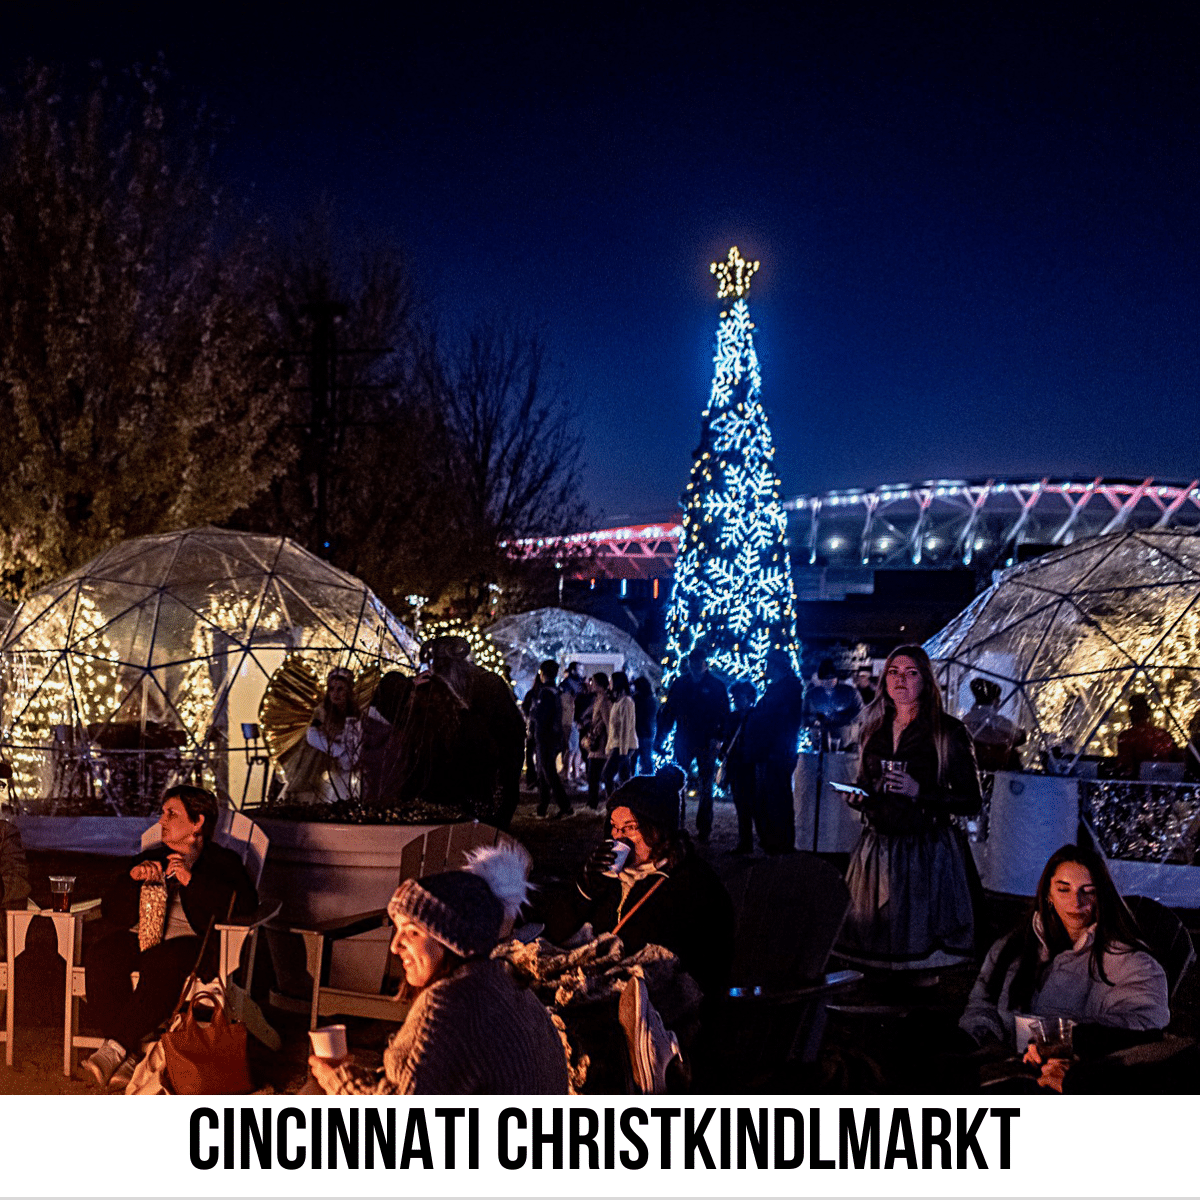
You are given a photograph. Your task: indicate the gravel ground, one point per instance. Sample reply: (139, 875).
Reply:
(865, 1051)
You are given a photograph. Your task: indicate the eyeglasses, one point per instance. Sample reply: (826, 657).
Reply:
(625, 830)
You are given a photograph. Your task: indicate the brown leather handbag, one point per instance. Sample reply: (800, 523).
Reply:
(206, 1060)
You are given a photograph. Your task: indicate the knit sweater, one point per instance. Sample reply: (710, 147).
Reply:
(475, 1032)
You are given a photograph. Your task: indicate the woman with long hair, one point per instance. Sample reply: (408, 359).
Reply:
(1078, 954)
(910, 876)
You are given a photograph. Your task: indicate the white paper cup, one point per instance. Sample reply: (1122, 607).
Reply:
(1026, 1031)
(329, 1042)
(621, 851)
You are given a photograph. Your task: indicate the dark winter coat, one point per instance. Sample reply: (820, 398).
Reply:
(700, 707)
(14, 874)
(956, 792)
(645, 708)
(733, 749)
(546, 717)
(772, 729)
(217, 877)
(690, 914)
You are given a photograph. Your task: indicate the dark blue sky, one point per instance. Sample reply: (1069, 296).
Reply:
(977, 224)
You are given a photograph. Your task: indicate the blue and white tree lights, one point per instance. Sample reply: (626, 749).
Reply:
(733, 595)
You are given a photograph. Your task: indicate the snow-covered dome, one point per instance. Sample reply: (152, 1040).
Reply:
(528, 639)
(1072, 635)
(148, 661)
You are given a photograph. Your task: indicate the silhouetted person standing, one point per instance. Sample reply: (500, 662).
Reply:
(772, 743)
(697, 705)
(546, 718)
(646, 712)
(739, 770)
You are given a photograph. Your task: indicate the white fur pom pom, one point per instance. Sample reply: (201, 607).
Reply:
(505, 869)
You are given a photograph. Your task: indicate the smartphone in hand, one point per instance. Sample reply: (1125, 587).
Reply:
(854, 795)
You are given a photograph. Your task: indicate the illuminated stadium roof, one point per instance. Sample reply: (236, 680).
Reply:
(950, 522)
(943, 523)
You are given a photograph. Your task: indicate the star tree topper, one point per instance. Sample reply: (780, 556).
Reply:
(733, 275)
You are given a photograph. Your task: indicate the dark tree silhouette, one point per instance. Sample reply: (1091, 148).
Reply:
(138, 382)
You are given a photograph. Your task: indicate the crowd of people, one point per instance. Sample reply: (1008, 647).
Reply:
(621, 727)
(914, 894)
(1079, 955)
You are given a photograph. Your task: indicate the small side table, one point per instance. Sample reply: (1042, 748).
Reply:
(68, 928)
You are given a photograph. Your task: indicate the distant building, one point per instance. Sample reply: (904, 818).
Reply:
(891, 563)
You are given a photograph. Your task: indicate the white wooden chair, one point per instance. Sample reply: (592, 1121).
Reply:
(238, 833)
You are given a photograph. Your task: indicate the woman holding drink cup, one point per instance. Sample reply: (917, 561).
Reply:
(1078, 959)
(471, 1029)
(159, 912)
(648, 885)
(911, 878)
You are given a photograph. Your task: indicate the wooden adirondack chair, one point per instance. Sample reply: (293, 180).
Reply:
(235, 831)
(789, 910)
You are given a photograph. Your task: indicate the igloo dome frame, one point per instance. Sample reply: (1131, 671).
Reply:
(141, 667)
(1070, 636)
(526, 639)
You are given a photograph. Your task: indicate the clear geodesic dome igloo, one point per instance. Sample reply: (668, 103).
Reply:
(148, 664)
(1072, 635)
(528, 639)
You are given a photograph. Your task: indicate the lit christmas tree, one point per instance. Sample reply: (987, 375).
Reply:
(733, 594)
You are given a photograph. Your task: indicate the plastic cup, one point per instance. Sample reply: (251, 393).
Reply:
(621, 851)
(1026, 1031)
(1054, 1036)
(329, 1043)
(60, 892)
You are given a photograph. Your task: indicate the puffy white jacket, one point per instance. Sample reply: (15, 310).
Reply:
(1135, 997)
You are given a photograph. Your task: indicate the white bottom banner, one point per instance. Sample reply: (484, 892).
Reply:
(594, 1146)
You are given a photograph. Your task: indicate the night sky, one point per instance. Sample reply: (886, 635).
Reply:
(977, 228)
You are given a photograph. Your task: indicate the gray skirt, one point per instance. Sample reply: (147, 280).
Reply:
(910, 901)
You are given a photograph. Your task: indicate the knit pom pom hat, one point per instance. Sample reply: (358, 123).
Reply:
(455, 907)
(505, 869)
(653, 799)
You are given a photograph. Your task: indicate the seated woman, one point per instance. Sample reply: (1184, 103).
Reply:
(471, 1029)
(664, 894)
(1079, 956)
(200, 882)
